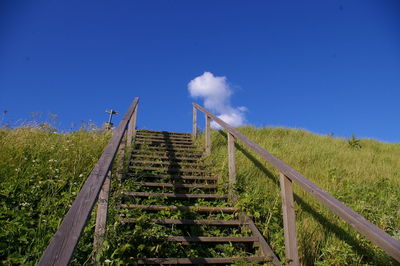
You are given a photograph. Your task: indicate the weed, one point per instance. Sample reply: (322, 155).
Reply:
(354, 142)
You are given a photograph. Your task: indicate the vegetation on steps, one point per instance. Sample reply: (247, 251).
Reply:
(128, 241)
(364, 174)
(41, 173)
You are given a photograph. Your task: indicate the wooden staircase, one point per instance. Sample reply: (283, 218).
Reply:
(169, 185)
(171, 210)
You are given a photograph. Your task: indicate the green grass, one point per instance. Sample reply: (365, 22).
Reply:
(40, 174)
(366, 177)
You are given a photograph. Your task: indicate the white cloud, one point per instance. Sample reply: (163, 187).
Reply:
(216, 94)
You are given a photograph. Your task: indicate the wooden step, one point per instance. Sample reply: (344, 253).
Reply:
(175, 195)
(174, 261)
(190, 222)
(164, 163)
(163, 132)
(213, 239)
(166, 145)
(206, 209)
(167, 137)
(178, 185)
(164, 140)
(180, 177)
(173, 159)
(168, 153)
(167, 170)
(169, 149)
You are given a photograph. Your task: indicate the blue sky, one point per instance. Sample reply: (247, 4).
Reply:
(326, 66)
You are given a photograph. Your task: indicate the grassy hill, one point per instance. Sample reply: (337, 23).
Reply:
(363, 174)
(41, 172)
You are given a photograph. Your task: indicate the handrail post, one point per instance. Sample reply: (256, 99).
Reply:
(194, 125)
(231, 165)
(131, 127)
(101, 217)
(289, 220)
(208, 136)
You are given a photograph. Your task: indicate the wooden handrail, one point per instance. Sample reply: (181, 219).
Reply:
(62, 246)
(377, 236)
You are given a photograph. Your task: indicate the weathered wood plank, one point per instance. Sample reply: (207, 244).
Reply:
(131, 127)
(171, 153)
(175, 177)
(174, 185)
(289, 221)
(358, 222)
(173, 261)
(169, 163)
(231, 165)
(213, 239)
(190, 222)
(167, 145)
(101, 215)
(168, 170)
(163, 140)
(61, 247)
(161, 132)
(163, 157)
(181, 208)
(175, 195)
(266, 250)
(194, 125)
(207, 136)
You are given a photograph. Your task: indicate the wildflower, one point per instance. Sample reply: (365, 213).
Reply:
(107, 261)
(81, 175)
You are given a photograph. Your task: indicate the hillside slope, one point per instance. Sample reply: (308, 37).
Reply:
(40, 175)
(41, 172)
(366, 177)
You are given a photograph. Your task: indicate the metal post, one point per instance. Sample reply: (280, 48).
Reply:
(112, 112)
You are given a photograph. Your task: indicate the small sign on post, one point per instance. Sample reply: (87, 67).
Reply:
(109, 124)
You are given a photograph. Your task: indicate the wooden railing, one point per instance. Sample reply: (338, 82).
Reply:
(287, 176)
(62, 246)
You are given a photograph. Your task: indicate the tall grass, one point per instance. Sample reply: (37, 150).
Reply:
(365, 178)
(41, 173)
